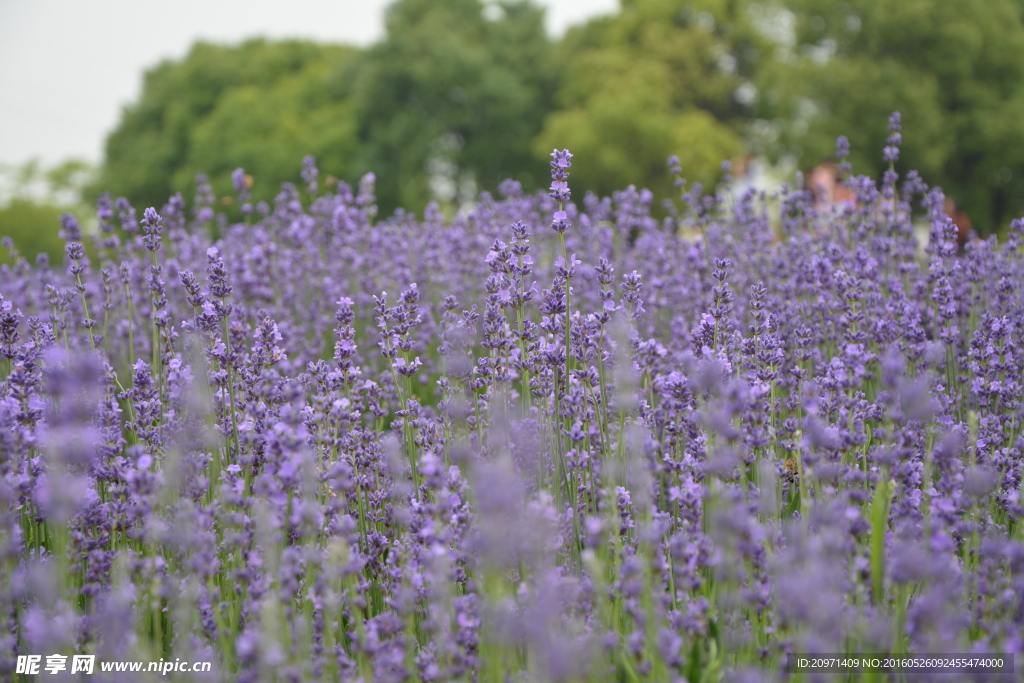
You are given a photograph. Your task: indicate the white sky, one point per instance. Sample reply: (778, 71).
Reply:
(67, 67)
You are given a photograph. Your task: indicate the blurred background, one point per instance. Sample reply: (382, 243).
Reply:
(444, 98)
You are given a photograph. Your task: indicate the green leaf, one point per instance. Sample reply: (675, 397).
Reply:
(879, 528)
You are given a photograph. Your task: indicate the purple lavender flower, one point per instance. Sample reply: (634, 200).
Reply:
(843, 153)
(559, 191)
(891, 153)
(69, 228)
(212, 452)
(151, 228)
(310, 173)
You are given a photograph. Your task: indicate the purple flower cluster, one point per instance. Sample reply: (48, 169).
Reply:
(561, 161)
(633, 447)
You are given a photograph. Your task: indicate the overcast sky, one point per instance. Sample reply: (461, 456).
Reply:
(67, 67)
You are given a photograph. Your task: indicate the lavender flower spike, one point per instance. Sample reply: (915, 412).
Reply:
(561, 161)
(891, 153)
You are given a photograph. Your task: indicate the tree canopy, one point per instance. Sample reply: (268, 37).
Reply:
(952, 68)
(453, 95)
(662, 77)
(259, 103)
(461, 94)
(33, 198)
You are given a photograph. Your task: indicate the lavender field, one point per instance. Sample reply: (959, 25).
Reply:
(538, 441)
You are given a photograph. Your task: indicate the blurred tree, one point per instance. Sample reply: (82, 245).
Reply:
(661, 77)
(221, 107)
(268, 130)
(451, 98)
(67, 179)
(34, 228)
(953, 69)
(32, 199)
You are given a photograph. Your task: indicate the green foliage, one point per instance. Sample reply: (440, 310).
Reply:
(616, 141)
(34, 228)
(59, 185)
(67, 178)
(658, 79)
(267, 131)
(951, 67)
(811, 131)
(461, 94)
(214, 101)
(33, 199)
(451, 92)
(448, 92)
